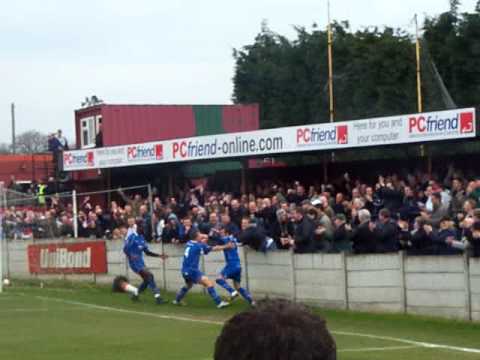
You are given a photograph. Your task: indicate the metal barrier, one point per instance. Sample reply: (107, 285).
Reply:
(97, 214)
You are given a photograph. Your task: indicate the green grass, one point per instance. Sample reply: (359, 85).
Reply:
(54, 323)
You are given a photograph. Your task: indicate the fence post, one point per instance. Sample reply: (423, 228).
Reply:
(293, 276)
(468, 287)
(150, 205)
(164, 268)
(247, 282)
(345, 279)
(75, 214)
(403, 282)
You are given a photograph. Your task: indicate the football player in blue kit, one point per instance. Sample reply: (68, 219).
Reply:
(191, 272)
(233, 269)
(134, 248)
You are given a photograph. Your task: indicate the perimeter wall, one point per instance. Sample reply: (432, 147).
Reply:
(428, 285)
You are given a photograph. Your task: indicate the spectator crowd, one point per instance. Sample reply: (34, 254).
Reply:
(417, 213)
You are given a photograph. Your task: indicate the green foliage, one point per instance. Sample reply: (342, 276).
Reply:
(290, 78)
(454, 44)
(374, 71)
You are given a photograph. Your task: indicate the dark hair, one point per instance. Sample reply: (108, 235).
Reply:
(226, 229)
(193, 234)
(277, 329)
(118, 282)
(385, 213)
(300, 211)
(437, 195)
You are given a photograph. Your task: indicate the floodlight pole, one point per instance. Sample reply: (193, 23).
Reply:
(419, 68)
(12, 109)
(330, 87)
(330, 65)
(418, 53)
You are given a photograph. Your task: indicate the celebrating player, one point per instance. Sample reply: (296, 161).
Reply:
(135, 246)
(232, 269)
(190, 268)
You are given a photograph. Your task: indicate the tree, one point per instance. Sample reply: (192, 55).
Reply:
(31, 142)
(4, 149)
(477, 7)
(455, 49)
(454, 4)
(374, 75)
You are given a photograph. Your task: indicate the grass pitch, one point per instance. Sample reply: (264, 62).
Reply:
(64, 321)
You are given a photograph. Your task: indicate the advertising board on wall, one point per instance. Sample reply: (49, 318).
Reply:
(392, 130)
(76, 258)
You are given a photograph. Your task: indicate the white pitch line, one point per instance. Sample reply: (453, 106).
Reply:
(125, 311)
(411, 342)
(212, 322)
(386, 348)
(22, 310)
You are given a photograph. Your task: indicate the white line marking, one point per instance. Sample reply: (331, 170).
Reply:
(411, 342)
(212, 322)
(22, 310)
(125, 311)
(387, 348)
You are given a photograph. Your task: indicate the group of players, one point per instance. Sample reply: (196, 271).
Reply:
(135, 247)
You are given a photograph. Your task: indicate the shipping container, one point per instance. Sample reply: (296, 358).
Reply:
(34, 167)
(131, 124)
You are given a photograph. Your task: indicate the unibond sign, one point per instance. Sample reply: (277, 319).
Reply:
(441, 124)
(62, 258)
(319, 136)
(82, 258)
(145, 152)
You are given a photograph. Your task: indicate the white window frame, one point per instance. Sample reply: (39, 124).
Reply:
(89, 127)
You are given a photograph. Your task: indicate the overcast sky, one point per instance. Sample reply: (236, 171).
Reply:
(53, 53)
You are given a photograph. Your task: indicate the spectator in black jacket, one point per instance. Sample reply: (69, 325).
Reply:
(227, 223)
(236, 212)
(386, 232)
(392, 198)
(444, 238)
(171, 231)
(253, 235)
(283, 230)
(363, 238)
(471, 243)
(341, 235)
(304, 236)
(421, 241)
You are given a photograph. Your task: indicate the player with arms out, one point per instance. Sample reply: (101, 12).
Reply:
(233, 268)
(134, 248)
(191, 272)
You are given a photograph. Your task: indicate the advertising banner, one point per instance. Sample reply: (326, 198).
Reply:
(75, 258)
(402, 129)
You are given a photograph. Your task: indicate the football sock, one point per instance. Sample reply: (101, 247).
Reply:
(181, 294)
(131, 289)
(246, 295)
(213, 294)
(223, 283)
(142, 287)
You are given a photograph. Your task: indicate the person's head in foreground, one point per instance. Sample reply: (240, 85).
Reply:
(275, 330)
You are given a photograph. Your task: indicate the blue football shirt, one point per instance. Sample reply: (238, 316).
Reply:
(191, 257)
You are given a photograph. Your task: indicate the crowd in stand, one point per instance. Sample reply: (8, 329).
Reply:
(415, 213)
